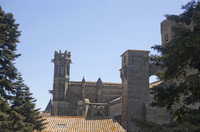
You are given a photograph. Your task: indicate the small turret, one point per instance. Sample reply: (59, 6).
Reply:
(62, 56)
(83, 81)
(99, 82)
(99, 89)
(83, 87)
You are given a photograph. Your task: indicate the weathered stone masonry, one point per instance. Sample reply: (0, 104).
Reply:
(67, 94)
(126, 101)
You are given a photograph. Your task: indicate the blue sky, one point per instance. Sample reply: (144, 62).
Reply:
(96, 32)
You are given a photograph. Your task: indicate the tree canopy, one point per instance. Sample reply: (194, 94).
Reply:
(17, 107)
(8, 38)
(180, 62)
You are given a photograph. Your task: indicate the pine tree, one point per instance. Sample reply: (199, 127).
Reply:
(8, 38)
(4, 122)
(17, 106)
(15, 116)
(23, 114)
(180, 60)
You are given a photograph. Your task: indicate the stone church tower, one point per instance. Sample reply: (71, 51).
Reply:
(135, 73)
(60, 102)
(167, 32)
(135, 87)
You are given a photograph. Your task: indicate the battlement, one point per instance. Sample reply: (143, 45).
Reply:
(62, 56)
(89, 83)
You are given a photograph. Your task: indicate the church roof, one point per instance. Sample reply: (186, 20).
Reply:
(156, 83)
(81, 124)
(48, 108)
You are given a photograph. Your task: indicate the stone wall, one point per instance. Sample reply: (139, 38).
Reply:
(114, 107)
(106, 93)
(66, 94)
(95, 92)
(135, 87)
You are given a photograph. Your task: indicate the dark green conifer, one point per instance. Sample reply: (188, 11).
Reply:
(24, 115)
(8, 38)
(180, 60)
(17, 106)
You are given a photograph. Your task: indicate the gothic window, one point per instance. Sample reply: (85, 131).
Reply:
(132, 59)
(62, 70)
(56, 69)
(67, 69)
(166, 38)
(124, 59)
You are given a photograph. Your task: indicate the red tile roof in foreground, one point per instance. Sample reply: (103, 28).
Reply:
(81, 124)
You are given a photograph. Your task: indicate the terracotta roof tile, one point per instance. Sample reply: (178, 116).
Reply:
(156, 83)
(81, 124)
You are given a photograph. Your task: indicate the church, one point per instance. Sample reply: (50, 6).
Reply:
(121, 101)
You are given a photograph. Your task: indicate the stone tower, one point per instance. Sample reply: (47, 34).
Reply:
(167, 32)
(60, 104)
(135, 87)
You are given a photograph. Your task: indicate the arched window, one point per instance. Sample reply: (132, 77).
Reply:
(56, 70)
(62, 69)
(124, 59)
(67, 69)
(166, 38)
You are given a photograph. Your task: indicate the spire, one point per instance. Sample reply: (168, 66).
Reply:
(83, 81)
(99, 82)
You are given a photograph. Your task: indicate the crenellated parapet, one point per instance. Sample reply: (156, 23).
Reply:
(59, 56)
(98, 91)
(90, 83)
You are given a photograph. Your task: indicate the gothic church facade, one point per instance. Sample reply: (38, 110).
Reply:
(124, 101)
(67, 94)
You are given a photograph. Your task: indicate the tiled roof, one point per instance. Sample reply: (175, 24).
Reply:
(45, 114)
(116, 101)
(81, 124)
(156, 83)
(48, 108)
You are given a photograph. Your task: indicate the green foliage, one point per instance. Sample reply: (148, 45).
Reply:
(180, 61)
(4, 122)
(8, 39)
(17, 106)
(175, 127)
(23, 114)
